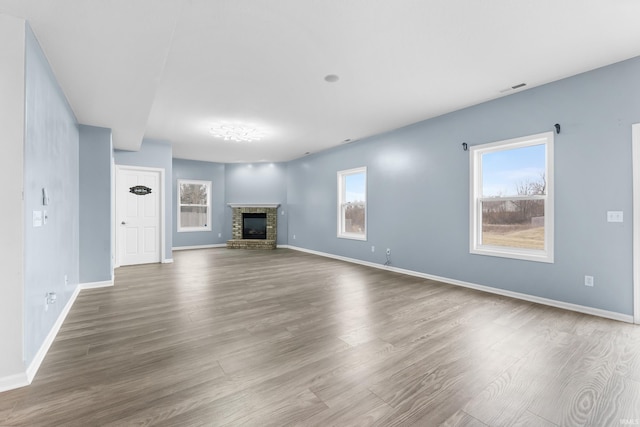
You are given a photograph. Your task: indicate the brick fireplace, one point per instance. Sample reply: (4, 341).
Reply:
(237, 241)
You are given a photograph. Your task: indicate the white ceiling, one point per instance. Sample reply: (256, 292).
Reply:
(170, 69)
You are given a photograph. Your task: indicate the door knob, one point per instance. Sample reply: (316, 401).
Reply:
(123, 223)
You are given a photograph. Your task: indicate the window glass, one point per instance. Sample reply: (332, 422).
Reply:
(352, 204)
(511, 203)
(512, 172)
(194, 212)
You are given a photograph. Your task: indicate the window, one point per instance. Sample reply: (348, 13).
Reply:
(512, 198)
(352, 204)
(194, 201)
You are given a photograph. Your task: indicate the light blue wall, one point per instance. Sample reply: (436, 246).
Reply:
(96, 151)
(418, 190)
(12, 111)
(51, 162)
(258, 183)
(154, 154)
(205, 171)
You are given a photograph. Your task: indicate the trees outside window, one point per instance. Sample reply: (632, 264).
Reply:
(352, 204)
(194, 210)
(512, 198)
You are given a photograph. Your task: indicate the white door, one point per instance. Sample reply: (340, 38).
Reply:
(139, 219)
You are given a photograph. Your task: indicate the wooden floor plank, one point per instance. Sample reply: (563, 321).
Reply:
(579, 388)
(462, 419)
(238, 337)
(622, 405)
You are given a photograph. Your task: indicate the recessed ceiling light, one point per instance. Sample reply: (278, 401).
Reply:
(238, 132)
(346, 141)
(331, 78)
(307, 153)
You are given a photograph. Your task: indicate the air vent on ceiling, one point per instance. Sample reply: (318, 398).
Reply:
(518, 86)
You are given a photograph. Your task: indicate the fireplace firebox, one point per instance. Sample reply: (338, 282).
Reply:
(254, 225)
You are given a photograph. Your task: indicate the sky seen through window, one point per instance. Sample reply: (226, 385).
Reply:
(503, 171)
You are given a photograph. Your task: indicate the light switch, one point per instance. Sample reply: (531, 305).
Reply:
(37, 218)
(614, 216)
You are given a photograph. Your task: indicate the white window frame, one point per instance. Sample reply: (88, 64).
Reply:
(476, 199)
(191, 229)
(342, 204)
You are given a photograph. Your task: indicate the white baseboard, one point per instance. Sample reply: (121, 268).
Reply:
(44, 348)
(167, 261)
(188, 248)
(525, 297)
(25, 378)
(14, 381)
(94, 285)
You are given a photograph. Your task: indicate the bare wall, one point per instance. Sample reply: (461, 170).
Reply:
(418, 191)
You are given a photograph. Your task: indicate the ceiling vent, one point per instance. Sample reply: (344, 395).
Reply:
(518, 86)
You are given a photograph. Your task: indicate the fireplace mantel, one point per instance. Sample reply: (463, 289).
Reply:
(254, 205)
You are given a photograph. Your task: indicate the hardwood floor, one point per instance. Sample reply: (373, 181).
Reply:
(273, 338)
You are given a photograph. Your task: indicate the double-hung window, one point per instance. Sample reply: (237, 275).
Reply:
(194, 205)
(352, 204)
(512, 198)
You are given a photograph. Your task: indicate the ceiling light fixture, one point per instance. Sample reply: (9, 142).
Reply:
(237, 132)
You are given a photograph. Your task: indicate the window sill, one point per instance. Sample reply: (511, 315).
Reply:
(513, 253)
(352, 236)
(194, 229)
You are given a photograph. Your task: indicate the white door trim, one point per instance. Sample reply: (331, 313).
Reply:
(113, 217)
(161, 212)
(635, 154)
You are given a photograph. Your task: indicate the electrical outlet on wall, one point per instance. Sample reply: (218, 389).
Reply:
(588, 281)
(615, 216)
